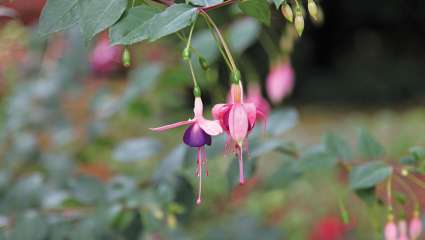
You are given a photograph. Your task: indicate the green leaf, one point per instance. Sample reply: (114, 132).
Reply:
(206, 3)
(173, 19)
(285, 174)
(171, 164)
(417, 152)
(369, 174)
(368, 146)
(58, 15)
(316, 158)
(277, 3)
(136, 149)
(31, 226)
(258, 9)
(134, 26)
(97, 15)
(281, 121)
(246, 27)
(336, 145)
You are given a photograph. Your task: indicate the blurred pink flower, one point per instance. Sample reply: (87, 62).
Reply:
(198, 134)
(280, 81)
(255, 97)
(415, 227)
(390, 231)
(105, 59)
(402, 230)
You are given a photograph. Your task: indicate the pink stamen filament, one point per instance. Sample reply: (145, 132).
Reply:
(199, 170)
(204, 160)
(241, 170)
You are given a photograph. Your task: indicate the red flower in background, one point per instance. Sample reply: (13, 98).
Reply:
(28, 11)
(329, 228)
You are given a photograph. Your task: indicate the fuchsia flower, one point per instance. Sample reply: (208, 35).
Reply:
(198, 134)
(402, 230)
(415, 227)
(105, 59)
(280, 82)
(390, 231)
(237, 119)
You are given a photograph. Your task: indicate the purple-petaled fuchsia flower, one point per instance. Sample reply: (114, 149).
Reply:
(198, 134)
(415, 226)
(280, 81)
(402, 230)
(105, 59)
(390, 231)
(237, 119)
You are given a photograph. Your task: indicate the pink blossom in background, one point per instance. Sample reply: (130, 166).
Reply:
(280, 82)
(415, 227)
(105, 59)
(254, 96)
(390, 231)
(402, 230)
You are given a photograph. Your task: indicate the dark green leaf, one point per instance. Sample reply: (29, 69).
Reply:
(87, 189)
(58, 15)
(246, 27)
(136, 149)
(258, 9)
(368, 146)
(171, 20)
(97, 15)
(316, 158)
(285, 174)
(206, 3)
(282, 120)
(134, 26)
(171, 163)
(338, 146)
(369, 174)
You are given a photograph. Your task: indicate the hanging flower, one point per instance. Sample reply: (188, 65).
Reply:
(415, 226)
(402, 230)
(237, 119)
(105, 59)
(198, 134)
(390, 231)
(280, 81)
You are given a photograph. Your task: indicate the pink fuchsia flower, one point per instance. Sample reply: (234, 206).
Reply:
(415, 226)
(198, 134)
(390, 231)
(237, 119)
(105, 59)
(402, 230)
(255, 97)
(280, 81)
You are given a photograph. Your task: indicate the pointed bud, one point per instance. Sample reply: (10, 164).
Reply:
(299, 22)
(287, 12)
(204, 64)
(312, 9)
(415, 226)
(186, 54)
(126, 58)
(402, 230)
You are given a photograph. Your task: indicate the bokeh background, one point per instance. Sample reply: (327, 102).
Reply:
(78, 160)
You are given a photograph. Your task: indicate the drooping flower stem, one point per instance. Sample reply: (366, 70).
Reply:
(221, 39)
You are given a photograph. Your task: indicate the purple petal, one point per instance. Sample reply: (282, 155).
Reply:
(194, 136)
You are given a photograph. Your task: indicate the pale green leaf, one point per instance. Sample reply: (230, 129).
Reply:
(97, 15)
(258, 9)
(58, 15)
(369, 174)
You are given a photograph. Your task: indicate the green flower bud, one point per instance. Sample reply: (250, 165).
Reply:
(203, 62)
(196, 91)
(186, 54)
(299, 22)
(236, 76)
(287, 12)
(126, 58)
(312, 9)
